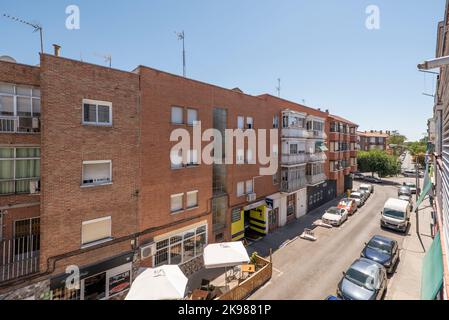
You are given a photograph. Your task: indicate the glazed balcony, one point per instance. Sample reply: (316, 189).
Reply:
(293, 185)
(12, 124)
(295, 133)
(314, 157)
(315, 134)
(292, 159)
(316, 179)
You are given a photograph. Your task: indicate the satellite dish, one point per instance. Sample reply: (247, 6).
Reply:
(8, 59)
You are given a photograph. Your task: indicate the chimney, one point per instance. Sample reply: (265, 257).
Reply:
(327, 111)
(381, 131)
(57, 49)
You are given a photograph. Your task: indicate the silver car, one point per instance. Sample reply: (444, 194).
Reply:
(364, 280)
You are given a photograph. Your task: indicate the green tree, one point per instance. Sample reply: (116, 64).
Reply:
(379, 162)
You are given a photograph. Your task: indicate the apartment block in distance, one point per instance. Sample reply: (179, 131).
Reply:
(373, 140)
(89, 182)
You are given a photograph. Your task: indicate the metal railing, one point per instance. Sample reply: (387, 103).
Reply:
(19, 257)
(318, 156)
(315, 179)
(290, 159)
(15, 124)
(295, 133)
(293, 185)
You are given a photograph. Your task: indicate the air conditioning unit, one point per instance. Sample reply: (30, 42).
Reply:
(250, 197)
(35, 123)
(25, 124)
(34, 186)
(147, 251)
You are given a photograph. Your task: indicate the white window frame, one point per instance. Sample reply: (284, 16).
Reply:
(93, 243)
(242, 193)
(248, 122)
(97, 103)
(240, 122)
(15, 95)
(87, 162)
(171, 115)
(197, 117)
(182, 203)
(196, 204)
(249, 183)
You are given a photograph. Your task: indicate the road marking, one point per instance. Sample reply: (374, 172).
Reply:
(278, 271)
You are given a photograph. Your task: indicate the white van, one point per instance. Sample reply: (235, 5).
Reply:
(367, 187)
(396, 215)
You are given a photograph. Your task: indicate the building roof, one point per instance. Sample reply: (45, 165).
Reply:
(343, 120)
(383, 134)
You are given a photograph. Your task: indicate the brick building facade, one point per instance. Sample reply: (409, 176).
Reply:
(88, 177)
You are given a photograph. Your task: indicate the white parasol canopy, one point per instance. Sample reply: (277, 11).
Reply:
(226, 254)
(167, 282)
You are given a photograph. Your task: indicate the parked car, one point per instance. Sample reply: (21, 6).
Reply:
(396, 215)
(365, 194)
(364, 280)
(335, 216)
(373, 180)
(408, 199)
(412, 187)
(359, 176)
(331, 297)
(349, 204)
(411, 173)
(357, 196)
(367, 187)
(382, 250)
(404, 191)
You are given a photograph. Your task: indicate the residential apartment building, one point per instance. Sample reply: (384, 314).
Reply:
(342, 152)
(89, 183)
(373, 140)
(436, 265)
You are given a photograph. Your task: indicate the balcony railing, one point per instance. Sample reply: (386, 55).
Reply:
(292, 159)
(293, 185)
(295, 133)
(12, 124)
(20, 186)
(317, 134)
(19, 257)
(315, 179)
(318, 156)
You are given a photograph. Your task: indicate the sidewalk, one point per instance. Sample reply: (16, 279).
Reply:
(406, 282)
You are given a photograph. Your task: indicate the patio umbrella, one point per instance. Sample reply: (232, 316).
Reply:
(167, 282)
(226, 254)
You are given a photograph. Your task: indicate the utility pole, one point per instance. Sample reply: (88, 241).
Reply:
(36, 26)
(418, 191)
(278, 88)
(181, 36)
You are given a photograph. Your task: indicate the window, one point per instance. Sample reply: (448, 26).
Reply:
(18, 100)
(276, 178)
(240, 122)
(249, 186)
(293, 149)
(240, 156)
(192, 199)
(182, 247)
(177, 115)
(96, 230)
(249, 156)
(192, 157)
(176, 202)
(236, 215)
(249, 122)
(276, 121)
(240, 189)
(97, 112)
(192, 116)
(97, 172)
(19, 170)
(176, 159)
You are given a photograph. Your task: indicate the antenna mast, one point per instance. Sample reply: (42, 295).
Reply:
(181, 36)
(278, 88)
(36, 26)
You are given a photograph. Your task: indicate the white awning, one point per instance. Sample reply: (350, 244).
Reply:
(167, 282)
(255, 205)
(226, 254)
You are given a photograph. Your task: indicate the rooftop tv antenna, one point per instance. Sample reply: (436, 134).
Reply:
(181, 36)
(35, 25)
(278, 88)
(106, 57)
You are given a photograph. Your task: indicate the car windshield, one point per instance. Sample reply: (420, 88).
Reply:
(361, 279)
(334, 211)
(394, 214)
(404, 190)
(379, 246)
(411, 185)
(354, 195)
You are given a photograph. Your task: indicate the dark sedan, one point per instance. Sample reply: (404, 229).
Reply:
(382, 250)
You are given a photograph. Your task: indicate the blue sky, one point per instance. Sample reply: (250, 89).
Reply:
(319, 48)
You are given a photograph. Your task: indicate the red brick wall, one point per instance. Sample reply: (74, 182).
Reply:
(66, 143)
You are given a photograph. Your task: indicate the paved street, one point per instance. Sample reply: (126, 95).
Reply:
(312, 270)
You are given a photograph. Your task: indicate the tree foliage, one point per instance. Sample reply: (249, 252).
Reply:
(379, 162)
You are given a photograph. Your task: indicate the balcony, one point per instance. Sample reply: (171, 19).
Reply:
(316, 179)
(335, 155)
(293, 185)
(314, 157)
(353, 138)
(292, 159)
(295, 133)
(334, 175)
(11, 124)
(353, 153)
(354, 168)
(315, 134)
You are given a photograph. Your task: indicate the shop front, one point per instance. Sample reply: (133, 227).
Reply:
(320, 194)
(101, 281)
